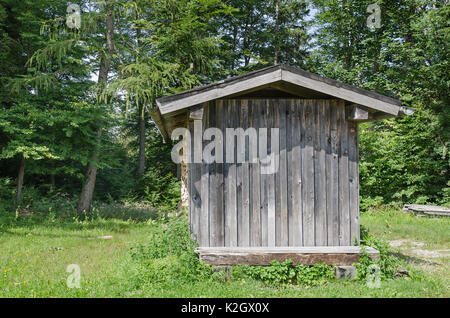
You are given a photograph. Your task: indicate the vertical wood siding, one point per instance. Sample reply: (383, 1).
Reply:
(313, 198)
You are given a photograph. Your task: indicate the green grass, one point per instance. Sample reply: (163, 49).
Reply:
(36, 250)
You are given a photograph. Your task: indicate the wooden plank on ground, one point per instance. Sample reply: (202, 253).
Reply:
(427, 209)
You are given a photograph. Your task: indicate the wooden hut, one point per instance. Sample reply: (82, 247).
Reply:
(308, 210)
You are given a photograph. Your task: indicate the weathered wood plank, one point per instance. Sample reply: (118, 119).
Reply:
(332, 161)
(283, 174)
(195, 186)
(308, 175)
(344, 195)
(296, 224)
(220, 235)
(214, 213)
(239, 172)
(204, 234)
(232, 179)
(244, 222)
(276, 123)
(320, 204)
(289, 111)
(262, 108)
(353, 174)
(271, 212)
(331, 255)
(255, 185)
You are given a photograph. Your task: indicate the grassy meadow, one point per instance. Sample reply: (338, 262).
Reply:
(137, 257)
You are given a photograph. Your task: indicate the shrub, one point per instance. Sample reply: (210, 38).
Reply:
(287, 273)
(164, 191)
(387, 262)
(367, 203)
(170, 254)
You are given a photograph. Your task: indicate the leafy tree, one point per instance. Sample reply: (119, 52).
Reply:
(406, 57)
(261, 33)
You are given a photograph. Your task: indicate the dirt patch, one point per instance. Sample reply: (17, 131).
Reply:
(405, 247)
(430, 253)
(399, 243)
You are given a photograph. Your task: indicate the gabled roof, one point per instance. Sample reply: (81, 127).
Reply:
(284, 78)
(279, 74)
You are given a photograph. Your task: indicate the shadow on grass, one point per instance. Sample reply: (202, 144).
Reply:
(107, 217)
(413, 260)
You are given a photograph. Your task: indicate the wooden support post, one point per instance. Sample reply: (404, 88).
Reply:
(357, 113)
(196, 113)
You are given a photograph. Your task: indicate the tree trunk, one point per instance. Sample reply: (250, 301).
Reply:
(141, 166)
(20, 179)
(87, 192)
(84, 204)
(141, 112)
(52, 181)
(277, 46)
(52, 176)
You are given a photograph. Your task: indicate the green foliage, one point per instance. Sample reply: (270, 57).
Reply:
(163, 191)
(390, 153)
(287, 273)
(6, 188)
(51, 108)
(387, 263)
(169, 255)
(367, 203)
(404, 160)
(255, 35)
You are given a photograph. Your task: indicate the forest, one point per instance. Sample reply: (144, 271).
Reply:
(78, 80)
(87, 183)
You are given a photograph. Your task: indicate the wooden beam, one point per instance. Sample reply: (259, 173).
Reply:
(219, 92)
(196, 113)
(330, 255)
(357, 113)
(340, 92)
(156, 116)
